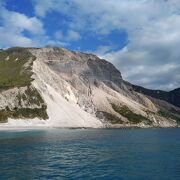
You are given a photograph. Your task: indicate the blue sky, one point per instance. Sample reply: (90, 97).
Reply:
(140, 37)
(58, 33)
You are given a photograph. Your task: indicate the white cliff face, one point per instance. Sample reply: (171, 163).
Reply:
(62, 107)
(76, 87)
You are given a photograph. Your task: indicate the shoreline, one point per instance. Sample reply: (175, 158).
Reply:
(15, 128)
(36, 124)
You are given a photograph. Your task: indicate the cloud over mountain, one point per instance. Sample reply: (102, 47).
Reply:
(149, 56)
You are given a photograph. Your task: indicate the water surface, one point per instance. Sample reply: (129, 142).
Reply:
(90, 154)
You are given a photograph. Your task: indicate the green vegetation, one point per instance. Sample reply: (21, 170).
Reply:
(23, 113)
(131, 116)
(4, 114)
(169, 115)
(112, 118)
(15, 68)
(32, 97)
(16, 71)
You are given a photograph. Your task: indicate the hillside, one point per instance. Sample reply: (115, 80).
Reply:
(172, 97)
(18, 98)
(60, 88)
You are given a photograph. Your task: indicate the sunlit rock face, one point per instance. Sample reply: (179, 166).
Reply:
(82, 90)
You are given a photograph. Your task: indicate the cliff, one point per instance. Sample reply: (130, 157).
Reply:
(72, 89)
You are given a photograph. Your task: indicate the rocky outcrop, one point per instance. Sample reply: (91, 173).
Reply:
(82, 90)
(94, 85)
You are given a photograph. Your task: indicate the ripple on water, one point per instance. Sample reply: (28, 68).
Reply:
(90, 154)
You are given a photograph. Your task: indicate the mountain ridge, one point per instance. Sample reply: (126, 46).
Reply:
(172, 96)
(82, 90)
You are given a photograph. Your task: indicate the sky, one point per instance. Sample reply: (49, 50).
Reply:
(140, 37)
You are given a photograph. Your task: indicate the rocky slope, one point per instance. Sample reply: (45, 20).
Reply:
(75, 89)
(172, 97)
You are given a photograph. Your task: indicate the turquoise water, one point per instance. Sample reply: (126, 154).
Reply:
(90, 154)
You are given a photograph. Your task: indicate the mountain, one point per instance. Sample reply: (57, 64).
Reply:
(172, 97)
(54, 87)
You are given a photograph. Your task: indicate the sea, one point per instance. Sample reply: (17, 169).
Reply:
(90, 154)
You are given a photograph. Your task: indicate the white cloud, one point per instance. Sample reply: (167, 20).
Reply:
(152, 56)
(23, 22)
(56, 43)
(13, 38)
(70, 35)
(58, 35)
(45, 6)
(14, 25)
(101, 50)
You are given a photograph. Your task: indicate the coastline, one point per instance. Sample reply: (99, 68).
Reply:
(26, 128)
